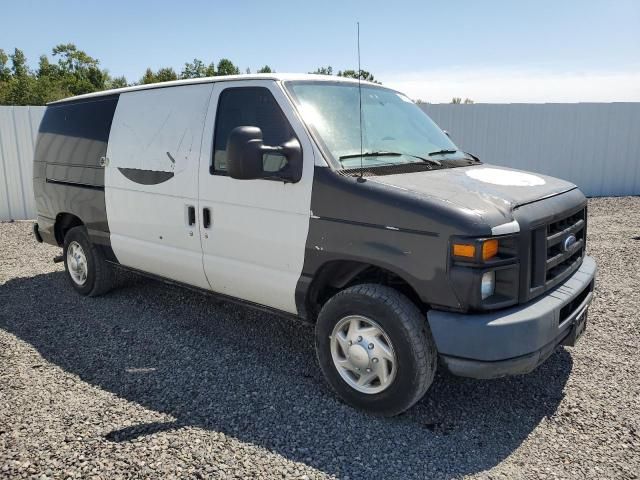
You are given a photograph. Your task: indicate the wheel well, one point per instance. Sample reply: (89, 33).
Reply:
(64, 223)
(338, 275)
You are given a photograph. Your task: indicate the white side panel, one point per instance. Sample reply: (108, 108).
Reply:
(255, 247)
(157, 131)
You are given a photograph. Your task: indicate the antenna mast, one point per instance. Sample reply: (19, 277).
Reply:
(361, 178)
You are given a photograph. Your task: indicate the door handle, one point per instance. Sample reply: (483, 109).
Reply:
(191, 215)
(206, 218)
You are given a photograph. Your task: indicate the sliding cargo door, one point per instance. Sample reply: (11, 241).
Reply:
(151, 181)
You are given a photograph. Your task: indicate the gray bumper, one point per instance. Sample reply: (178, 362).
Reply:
(514, 340)
(44, 230)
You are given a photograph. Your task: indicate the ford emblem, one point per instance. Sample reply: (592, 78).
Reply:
(568, 242)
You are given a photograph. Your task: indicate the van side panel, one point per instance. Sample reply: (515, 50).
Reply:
(67, 175)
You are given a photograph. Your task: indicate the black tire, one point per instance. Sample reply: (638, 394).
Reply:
(100, 274)
(409, 333)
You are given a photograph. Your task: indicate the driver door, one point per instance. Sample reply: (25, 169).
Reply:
(253, 232)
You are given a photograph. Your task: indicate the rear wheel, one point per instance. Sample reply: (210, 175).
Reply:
(87, 270)
(375, 349)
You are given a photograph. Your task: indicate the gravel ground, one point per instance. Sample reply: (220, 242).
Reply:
(153, 380)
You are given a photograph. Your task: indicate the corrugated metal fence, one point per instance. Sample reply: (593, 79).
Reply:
(18, 131)
(594, 145)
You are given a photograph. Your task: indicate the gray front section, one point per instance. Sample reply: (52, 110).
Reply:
(516, 339)
(404, 224)
(370, 223)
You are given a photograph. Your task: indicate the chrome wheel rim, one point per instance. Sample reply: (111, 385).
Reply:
(77, 263)
(363, 354)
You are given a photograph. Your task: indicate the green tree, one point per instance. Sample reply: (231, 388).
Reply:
(196, 69)
(117, 82)
(79, 72)
(19, 63)
(46, 68)
(74, 73)
(5, 71)
(364, 75)
(456, 100)
(19, 86)
(211, 70)
(148, 77)
(5, 77)
(323, 71)
(165, 74)
(468, 101)
(226, 67)
(73, 60)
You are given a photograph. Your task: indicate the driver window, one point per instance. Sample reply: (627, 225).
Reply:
(250, 106)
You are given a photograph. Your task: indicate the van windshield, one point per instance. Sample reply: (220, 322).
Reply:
(394, 129)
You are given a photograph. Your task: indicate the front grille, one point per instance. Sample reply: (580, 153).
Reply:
(555, 258)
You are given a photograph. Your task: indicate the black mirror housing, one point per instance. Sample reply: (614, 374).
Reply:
(244, 153)
(245, 150)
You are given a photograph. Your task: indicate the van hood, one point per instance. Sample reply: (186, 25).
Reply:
(489, 191)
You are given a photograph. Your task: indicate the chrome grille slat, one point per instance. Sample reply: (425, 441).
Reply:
(560, 257)
(557, 237)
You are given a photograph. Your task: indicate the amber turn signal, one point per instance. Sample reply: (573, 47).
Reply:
(489, 249)
(464, 250)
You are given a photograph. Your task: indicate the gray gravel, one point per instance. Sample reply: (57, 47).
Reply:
(153, 380)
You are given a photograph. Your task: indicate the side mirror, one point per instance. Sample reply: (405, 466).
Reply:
(246, 155)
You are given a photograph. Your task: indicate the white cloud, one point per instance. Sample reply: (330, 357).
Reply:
(512, 85)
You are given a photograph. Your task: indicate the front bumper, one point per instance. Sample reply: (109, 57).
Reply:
(513, 340)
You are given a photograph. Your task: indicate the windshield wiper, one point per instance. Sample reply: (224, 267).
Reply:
(389, 154)
(442, 152)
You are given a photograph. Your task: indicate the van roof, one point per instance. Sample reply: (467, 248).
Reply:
(222, 78)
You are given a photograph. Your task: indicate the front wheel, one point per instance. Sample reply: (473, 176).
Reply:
(375, 349)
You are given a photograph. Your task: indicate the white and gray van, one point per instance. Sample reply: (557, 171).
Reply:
(338, 204)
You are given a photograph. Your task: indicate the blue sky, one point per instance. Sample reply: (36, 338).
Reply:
(490, 50)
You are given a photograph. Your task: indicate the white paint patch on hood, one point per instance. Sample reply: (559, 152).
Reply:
(499, 176)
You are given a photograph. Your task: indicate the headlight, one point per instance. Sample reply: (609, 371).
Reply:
(484, 271)
(488, 284)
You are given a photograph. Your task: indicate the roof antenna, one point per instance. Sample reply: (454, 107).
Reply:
(361, 177)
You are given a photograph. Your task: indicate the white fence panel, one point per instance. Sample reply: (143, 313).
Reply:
(18, 132)
(594, 145)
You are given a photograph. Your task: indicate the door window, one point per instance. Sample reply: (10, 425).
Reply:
(254, 107)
